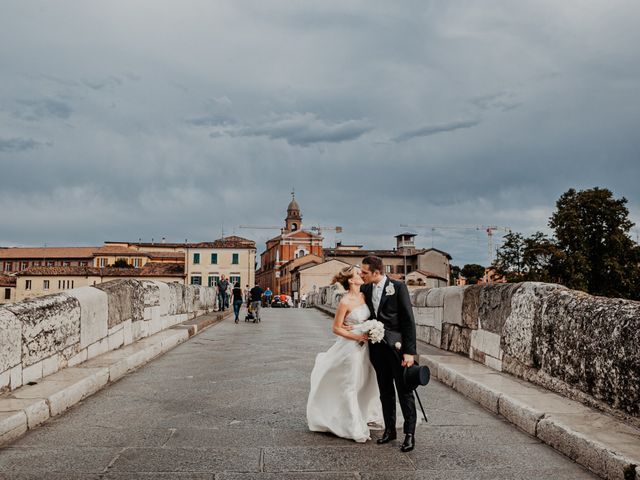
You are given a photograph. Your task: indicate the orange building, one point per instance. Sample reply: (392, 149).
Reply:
(293, 242)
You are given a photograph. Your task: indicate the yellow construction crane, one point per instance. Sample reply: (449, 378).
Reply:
(487, 228)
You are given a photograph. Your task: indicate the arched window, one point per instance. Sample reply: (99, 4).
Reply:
(294, 227)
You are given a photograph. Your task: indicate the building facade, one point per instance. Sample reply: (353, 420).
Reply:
(293, 242)
(400, 261)
(39, 281)
(7, 289)
(286, 273)
(311, 277)
(234, 257)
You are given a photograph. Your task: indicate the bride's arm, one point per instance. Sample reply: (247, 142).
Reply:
(339, 327)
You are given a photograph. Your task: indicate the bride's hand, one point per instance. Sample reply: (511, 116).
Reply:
(364, 338)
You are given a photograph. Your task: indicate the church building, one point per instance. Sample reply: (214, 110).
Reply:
(293, 242)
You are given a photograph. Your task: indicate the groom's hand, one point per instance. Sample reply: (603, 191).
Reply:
(407, 360)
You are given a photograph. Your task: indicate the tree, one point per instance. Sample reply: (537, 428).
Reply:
(473, 272)
(455, 273)
(592, 232)
(510, 257)
(542, 259)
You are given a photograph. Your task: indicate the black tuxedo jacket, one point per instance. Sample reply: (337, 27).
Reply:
(395, 312)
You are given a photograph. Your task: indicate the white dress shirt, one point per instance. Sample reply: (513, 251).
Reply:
(376, 293)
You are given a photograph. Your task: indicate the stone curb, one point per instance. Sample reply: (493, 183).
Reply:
(31, 405)
(601, 443)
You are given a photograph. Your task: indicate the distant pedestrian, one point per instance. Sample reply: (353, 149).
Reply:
(267, 296)
(247, 295)
(223, 300)
(237, 300)
(256, 300)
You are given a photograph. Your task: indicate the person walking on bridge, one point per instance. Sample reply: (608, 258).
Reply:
(237, 300)
(256, 300)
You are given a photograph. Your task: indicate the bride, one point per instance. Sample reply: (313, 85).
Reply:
(344, 395)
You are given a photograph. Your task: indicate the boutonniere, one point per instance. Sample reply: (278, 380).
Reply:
(390, 289)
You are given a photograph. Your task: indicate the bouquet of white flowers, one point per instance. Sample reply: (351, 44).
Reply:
(373, 328)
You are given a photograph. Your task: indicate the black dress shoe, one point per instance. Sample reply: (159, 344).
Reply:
(387, 436)
(409, 443)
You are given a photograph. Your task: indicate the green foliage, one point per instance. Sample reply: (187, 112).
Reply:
(473, 272)
(455, 273)
(591, 251)
(592, 230)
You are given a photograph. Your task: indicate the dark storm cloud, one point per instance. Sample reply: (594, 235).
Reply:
(435, 129)
(174, 120)
(14, 145)
(33, 110)
(304, 129)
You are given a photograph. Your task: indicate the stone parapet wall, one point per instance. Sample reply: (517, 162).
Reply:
(42, 335)
(584, 347)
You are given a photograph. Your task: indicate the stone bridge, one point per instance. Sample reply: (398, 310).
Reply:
(515, 388)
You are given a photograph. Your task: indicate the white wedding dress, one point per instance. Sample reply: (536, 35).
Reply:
(344, 396)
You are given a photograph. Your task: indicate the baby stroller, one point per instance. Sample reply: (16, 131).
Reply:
(250, 317)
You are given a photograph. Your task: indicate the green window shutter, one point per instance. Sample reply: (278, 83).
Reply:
(196, 258)
(214, 258)
(236, 259)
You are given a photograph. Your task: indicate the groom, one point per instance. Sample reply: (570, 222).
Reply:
(388, 300)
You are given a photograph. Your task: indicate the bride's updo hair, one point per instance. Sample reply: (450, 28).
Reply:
(343, 277)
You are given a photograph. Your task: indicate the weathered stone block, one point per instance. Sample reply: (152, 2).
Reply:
(5, 380)
(164, 295)
(98, 348)
(116, 340)
(592, 344)
(493, 362)
(470, 303)
(477, 391)
(431, 316)
(49, 325)
(10, 340)
(127, 331)
(435, 297)
(527, 304)
(16, 377)
(453, 297)
(419, 297)
(93, 314)
(150, 293)
(177, 298)
(51, 365)
(77, 359)
(486, 342)
(495, 306)
(32, 373)
(125, 300)
(455, 338)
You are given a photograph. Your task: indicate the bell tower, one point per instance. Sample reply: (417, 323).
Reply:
(294, 218)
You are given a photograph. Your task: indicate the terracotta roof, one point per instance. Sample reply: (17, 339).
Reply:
(231, 241)
(119, 251)
(7, 281)
(428, 274)
(174, 255)
(46, 252)
(333, 252)
(149, 270)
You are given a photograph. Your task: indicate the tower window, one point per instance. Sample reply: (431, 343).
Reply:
(294, 226)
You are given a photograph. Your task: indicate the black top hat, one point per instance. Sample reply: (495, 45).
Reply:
(416, 375)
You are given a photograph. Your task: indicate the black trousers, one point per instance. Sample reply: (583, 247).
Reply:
(386, 363)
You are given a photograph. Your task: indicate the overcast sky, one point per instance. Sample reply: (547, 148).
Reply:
(122, 120)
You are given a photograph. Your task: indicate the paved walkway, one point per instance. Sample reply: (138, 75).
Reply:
(230, 403)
